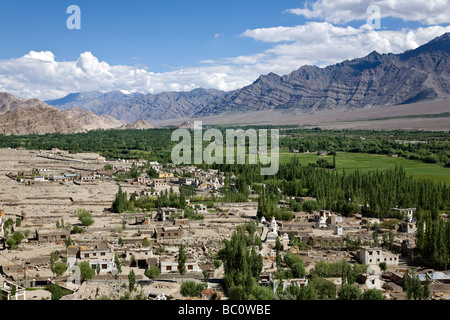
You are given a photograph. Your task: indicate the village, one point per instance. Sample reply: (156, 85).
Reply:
(42, 194)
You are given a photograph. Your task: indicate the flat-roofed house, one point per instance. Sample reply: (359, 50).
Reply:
(159, 183)
(6, 290)
(52, 235)
(168, 213)
(101, 254)
(174, 232)
(374, 256)
(170, 266)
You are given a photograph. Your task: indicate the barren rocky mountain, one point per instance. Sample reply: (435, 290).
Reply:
(90, 121)
(20, 117)
(375, 80)
(134, 107)
(37, 120)
(138, 125)
(8, 102)
(417, 75)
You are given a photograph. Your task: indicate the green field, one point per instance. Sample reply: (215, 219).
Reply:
(366, 162)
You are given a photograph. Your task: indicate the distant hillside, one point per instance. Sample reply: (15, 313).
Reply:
(21, 117)
(375, 80)
(37, 120)
(90, 121)
(135, 107)
(138, 125)
(8, 102)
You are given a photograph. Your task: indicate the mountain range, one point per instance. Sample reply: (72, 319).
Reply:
(375, 80)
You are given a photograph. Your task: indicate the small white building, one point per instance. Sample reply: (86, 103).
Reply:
(272, 235)
(338, 230)
(6, 288)
(200, 208)
(288, 282)
(168, 266)
(100, 255)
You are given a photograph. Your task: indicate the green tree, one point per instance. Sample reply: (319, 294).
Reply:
(13, 291)
(182, 260)
(373, 294)
(326, 290)
(85, 217)
(59, 268)
(86, 271)
(349, 292)
(153, 272)
(68, 241)
(191, 288)
(131, 281)
(10, 243)
(413, 287)
(298, 270)
(120, 203)
(18, 237)
(278, 255)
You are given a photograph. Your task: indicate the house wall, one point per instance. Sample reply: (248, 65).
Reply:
(376, 256)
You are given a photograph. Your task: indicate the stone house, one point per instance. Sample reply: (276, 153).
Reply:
(52, 235)
(170, 266)
(374, 256)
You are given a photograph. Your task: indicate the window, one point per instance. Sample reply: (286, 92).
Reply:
(190, 267)
(104, 266)
(176, 234)
(86, 255)
(169, 268)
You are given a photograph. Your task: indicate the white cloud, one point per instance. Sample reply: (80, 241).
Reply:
(325, 44)
(342, 11)
(41, 75)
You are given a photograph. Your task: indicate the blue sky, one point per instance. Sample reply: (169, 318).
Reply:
(158, 34)
(178, 45)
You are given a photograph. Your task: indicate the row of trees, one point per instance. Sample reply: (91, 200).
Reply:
(430, 147)
(433, 242)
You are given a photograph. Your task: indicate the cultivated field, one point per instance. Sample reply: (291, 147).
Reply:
(366, 162)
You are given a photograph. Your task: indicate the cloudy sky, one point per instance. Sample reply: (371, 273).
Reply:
(178, 45)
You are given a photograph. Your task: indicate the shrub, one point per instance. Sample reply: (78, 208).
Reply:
(85, 217)
(192, 289)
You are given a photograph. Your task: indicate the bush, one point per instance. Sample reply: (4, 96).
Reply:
(292, 259)
(18, 237)
(57, 291)
(86, 272)
(59, 268)
(77, 229)
(10, 243)
(217, 263)
(326, 290)
(85, 217)
(349, 292)
(373, 294)
(192, 289)
(153, 272)
(298, 270)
